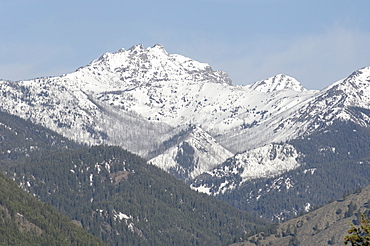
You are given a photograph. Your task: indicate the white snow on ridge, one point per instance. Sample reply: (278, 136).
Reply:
(263, 162)
(267, 161)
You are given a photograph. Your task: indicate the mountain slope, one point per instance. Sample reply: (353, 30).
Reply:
(264, 162)
(309, 114)
(20, 139)
(118, 197)
(25, 220)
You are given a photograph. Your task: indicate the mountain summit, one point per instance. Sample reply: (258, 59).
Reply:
(139, 66)
(277, 83)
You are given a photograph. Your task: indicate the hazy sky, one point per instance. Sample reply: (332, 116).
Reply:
(317, 42)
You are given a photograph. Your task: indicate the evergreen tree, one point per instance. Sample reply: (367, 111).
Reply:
(359, 235)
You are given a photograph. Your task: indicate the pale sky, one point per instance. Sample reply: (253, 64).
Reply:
(317, 42)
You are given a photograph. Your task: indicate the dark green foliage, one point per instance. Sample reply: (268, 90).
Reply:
(96, 185)
(24, 220)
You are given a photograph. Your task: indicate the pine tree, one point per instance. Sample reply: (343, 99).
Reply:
(359, 235)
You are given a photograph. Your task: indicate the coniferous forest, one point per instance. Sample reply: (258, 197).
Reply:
(24, 220)
(120, 198)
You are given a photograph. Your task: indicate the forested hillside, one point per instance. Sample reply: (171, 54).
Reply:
(118, 197)
(24, 220)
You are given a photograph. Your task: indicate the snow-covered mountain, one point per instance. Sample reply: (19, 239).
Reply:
(161, 105)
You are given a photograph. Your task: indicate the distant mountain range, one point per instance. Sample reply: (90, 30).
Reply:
(236, 142)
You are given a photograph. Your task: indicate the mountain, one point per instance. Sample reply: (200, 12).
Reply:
(118, 197)
(121, 97)
(327, 225)
(194, 123)
(24, 220)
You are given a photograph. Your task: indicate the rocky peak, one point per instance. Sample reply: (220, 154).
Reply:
(142, 66)
(277, 83)
(355, 89)
(136, 47)
(359, 79)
